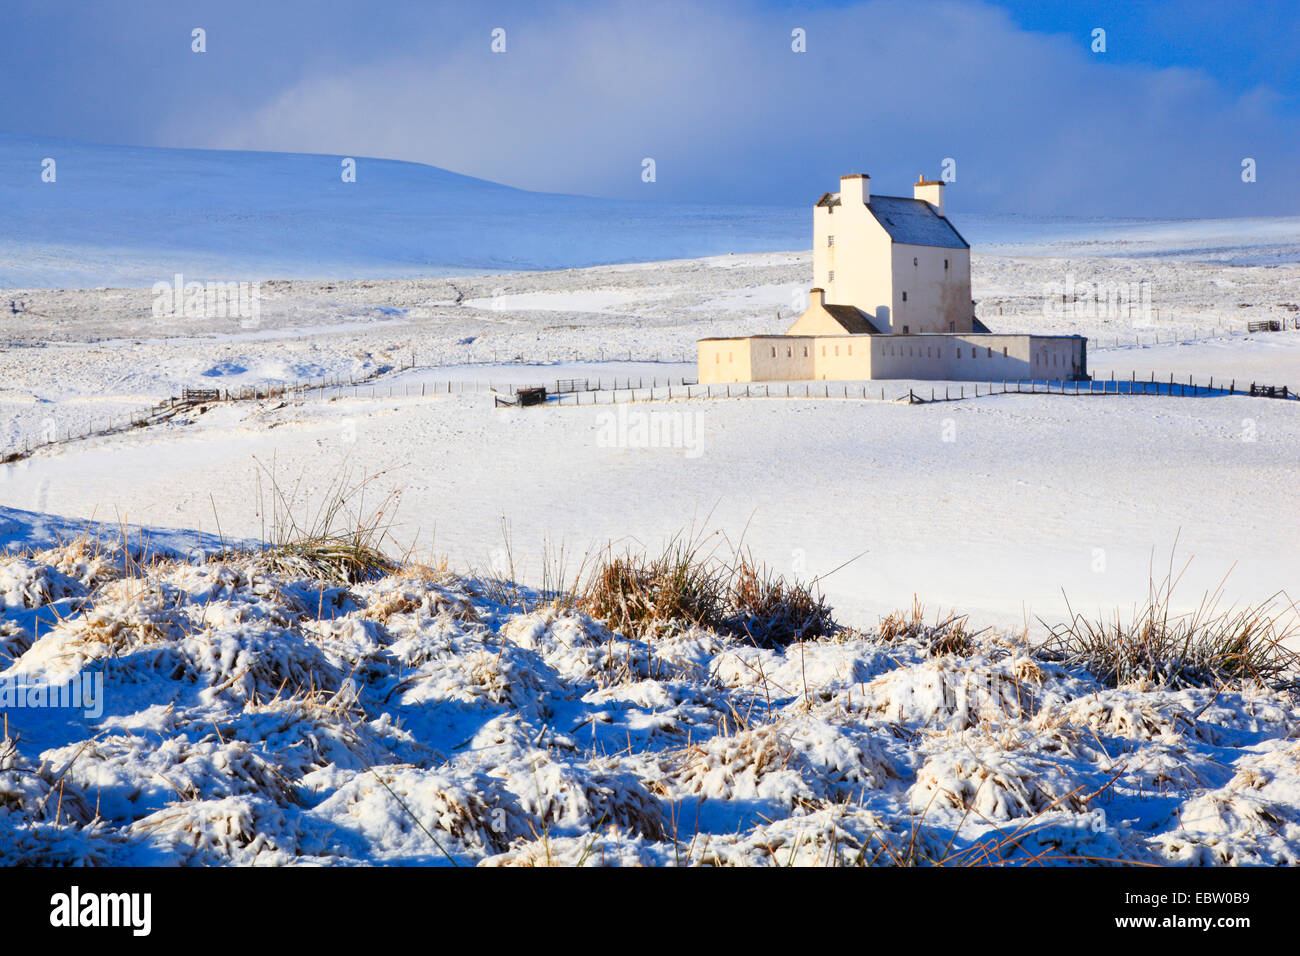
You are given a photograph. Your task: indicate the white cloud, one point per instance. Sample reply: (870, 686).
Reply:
(715, 95)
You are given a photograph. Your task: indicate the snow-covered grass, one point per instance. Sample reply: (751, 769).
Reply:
(253, 717)
(690, 581)
(1210, 644)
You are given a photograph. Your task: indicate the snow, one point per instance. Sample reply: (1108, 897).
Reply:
(127, 215)
(1032, 496)
(994, 506)
(251, 718)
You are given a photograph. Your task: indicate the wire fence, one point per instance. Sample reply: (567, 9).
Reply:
(609, 391)
(946, 393)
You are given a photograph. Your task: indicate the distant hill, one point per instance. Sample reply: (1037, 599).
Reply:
(127, 215)
(133, 215)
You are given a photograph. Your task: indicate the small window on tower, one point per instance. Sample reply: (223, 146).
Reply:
(904, 296)
(830, 241)
(914, 261)
(831, 275)
(773, 351)
(945, 265)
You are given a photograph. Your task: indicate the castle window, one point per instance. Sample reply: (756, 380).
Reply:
(717, 358)
(831, 275)
(904, 296)
(788, 351)
(773, 351)
(837, 350)
(952, 326)
(990, 355)
(959, 353)
(945, 265)
(905, 332)
(830, 241)
(914, 261)
(850, 349)
(823, 351)
(805, 351)
(1004, 351)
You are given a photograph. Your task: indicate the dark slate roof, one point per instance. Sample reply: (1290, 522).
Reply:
(910, 221)
(853, 319)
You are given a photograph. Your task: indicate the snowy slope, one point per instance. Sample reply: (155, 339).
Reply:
(125, 215)
(132, 216)
(1258, 241)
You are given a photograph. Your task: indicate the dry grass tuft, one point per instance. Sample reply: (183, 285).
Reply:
(342, 539)
(640, 594)
(946, 636)
(1207, 647)
(774, 612)
(643, 595)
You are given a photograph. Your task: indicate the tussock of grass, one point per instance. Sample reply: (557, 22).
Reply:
(946, 636)
(773, 611)
(687, 585)
(639, 594)
(1207, 647)
(340, 541)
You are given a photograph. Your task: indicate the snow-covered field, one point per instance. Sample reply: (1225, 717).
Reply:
(993, 506)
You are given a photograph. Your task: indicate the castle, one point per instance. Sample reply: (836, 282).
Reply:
(892, 299)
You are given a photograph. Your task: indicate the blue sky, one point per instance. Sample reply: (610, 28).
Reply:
(1038, 123)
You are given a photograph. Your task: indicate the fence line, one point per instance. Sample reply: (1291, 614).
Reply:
(951, 393)
(190, 397)
(1107, 343)
(335, 386)
(568, 392)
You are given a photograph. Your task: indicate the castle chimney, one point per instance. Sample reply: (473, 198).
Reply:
(817, 297)
(931, 190)
(855, 189)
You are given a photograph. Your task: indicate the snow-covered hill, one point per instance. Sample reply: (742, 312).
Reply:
(132, 216)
